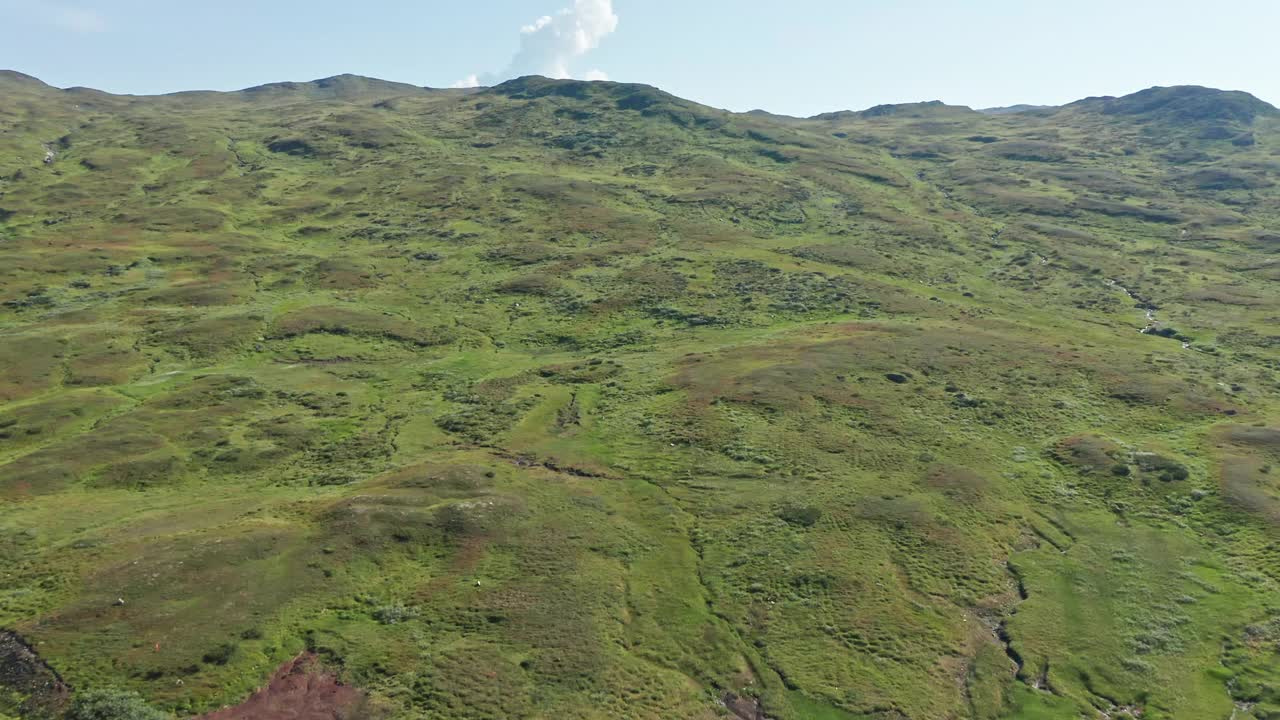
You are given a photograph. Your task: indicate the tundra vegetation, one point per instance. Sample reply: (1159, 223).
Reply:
(579, 400)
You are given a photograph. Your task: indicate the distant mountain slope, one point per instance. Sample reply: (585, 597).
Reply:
(583, 400)
(1186, 103)
(350, 88)
(932, 108)
(14, 79)
(1015, 109)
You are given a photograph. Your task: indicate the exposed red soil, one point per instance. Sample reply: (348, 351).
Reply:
(744, 707)
(300, 690)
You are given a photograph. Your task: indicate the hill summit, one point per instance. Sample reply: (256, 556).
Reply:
(340, 87)
(1185, 104)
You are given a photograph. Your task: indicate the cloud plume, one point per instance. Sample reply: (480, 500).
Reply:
(551, 44)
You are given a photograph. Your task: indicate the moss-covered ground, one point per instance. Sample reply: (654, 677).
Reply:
(582, 401)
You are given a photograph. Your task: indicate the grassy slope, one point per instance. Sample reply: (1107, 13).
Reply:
(572, 400)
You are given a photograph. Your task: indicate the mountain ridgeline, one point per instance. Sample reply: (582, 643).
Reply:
(580, 400)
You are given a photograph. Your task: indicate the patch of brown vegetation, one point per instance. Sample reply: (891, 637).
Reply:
(1260, 438)
(198, 294)
(206, 337)
(1227, 296)
(1249, 484)
(1087, 453)
(342, 274)
(468, 555)
(30, 365)
(531, 284)
(1139, 389)
(49, 469)
(1247, 478)
(344, 321)
(956, 482)
(444, 480)
(781, 376)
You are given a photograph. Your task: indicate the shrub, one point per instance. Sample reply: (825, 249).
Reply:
(1165, 468)
(112, 704)
(800, 515)
(220, 655)
(394, 614)
(292, 146)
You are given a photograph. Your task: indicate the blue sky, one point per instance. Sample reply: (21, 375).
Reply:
(799, 57)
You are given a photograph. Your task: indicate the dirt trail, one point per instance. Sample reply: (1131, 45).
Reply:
(300, 690)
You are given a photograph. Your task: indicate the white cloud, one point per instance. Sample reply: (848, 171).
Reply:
(551, 44)
(469, 81)
(537, 25)
(77, 19)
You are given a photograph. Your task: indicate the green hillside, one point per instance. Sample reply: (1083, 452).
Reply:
(580, 400)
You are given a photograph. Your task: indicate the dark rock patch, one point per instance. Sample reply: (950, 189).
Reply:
(38, 689)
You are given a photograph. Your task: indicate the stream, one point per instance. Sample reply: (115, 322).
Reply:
(1148, 309)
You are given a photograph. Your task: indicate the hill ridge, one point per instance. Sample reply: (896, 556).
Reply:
(1177, 102)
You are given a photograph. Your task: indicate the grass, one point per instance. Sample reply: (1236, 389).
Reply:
(583, 400)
